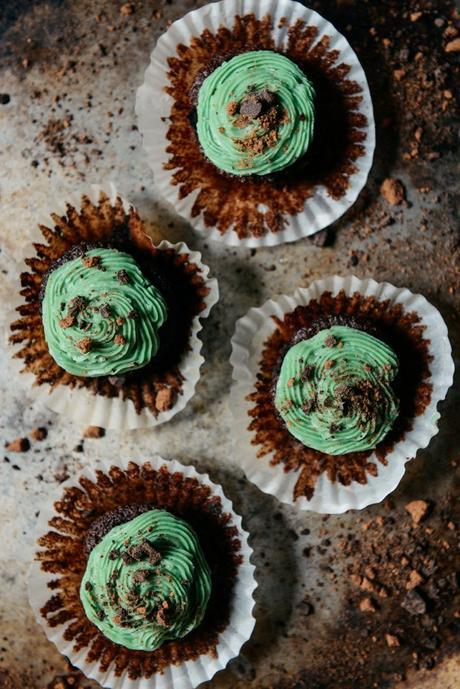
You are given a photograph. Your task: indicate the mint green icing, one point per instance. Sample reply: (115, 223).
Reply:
(334, 390)
(277, 145)
(99, 321)
(141, 597)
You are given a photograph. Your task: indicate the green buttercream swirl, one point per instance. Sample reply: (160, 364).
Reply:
(101, 320)
(147, 581)
(230, 83)
(334, 390)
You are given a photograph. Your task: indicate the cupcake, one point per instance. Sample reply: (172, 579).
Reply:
(268, 136)
(337, 387)
(145, 574)
(108, 323)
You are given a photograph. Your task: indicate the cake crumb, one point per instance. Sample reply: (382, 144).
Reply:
(164, 399)
(39, 433)
(453, 46)
(414, 580)
(94, 432)
(367, 605)
(84, 345)
(127, 8)
(18, 445)
(417, 510)
(393, 191)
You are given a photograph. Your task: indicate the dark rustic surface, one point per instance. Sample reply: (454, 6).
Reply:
(68, 75)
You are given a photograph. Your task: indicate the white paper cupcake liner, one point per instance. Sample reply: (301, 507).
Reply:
(79, 403)
(329, 497)
(188, 674)
(153, 107)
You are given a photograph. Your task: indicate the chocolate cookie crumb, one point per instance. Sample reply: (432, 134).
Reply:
(76, 305)
(251, 106)
(66, 322)
(330, 341)
(232, 108)
(84, 345)
(145, 551)
(105, 311)
(162, 615)
(123, 277)
(92, 261)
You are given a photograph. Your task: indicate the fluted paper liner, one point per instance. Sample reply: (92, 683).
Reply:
(190, 673)
(329, 497)
(96, 410)
(153, 107)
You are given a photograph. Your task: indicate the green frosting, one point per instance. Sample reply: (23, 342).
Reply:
(255, 114)
(101, 315)
(334, 390)
(146, 582)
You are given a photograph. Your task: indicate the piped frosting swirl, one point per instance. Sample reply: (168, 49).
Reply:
(147, 581)
(101, 315)
(255, 114)
(335, 393)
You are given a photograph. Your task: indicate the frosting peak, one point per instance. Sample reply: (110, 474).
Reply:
(101, 315)
(334, 390)
(147, 581)
(255, 114)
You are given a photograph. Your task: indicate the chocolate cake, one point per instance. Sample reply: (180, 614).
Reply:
(226, 201)
(84, 515)
(403, 332)
(155, 386)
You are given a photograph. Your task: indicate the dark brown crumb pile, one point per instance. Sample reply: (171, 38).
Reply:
(64, 555)
(414, 78)
(262, 109)
(226, 201)
(402, 610)
(402, 331)
(157, 385)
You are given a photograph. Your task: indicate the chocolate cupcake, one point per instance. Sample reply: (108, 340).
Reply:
(109, 320)
(337, 387)
(269, 139)
(145, 573)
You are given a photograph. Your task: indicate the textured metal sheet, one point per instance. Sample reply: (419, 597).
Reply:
(71, 70)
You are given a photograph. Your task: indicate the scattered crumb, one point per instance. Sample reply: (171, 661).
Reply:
(392, 640)
(39, 433)
(393, 191)
(164, 399)
(18, 445)
(417, 510)
(94, 432)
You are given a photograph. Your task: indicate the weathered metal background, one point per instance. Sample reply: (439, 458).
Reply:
(68, 75)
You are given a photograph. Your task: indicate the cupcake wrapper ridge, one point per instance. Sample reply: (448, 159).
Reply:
(331, 497)
(153, 109)
(115, 412)
(190, 673)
